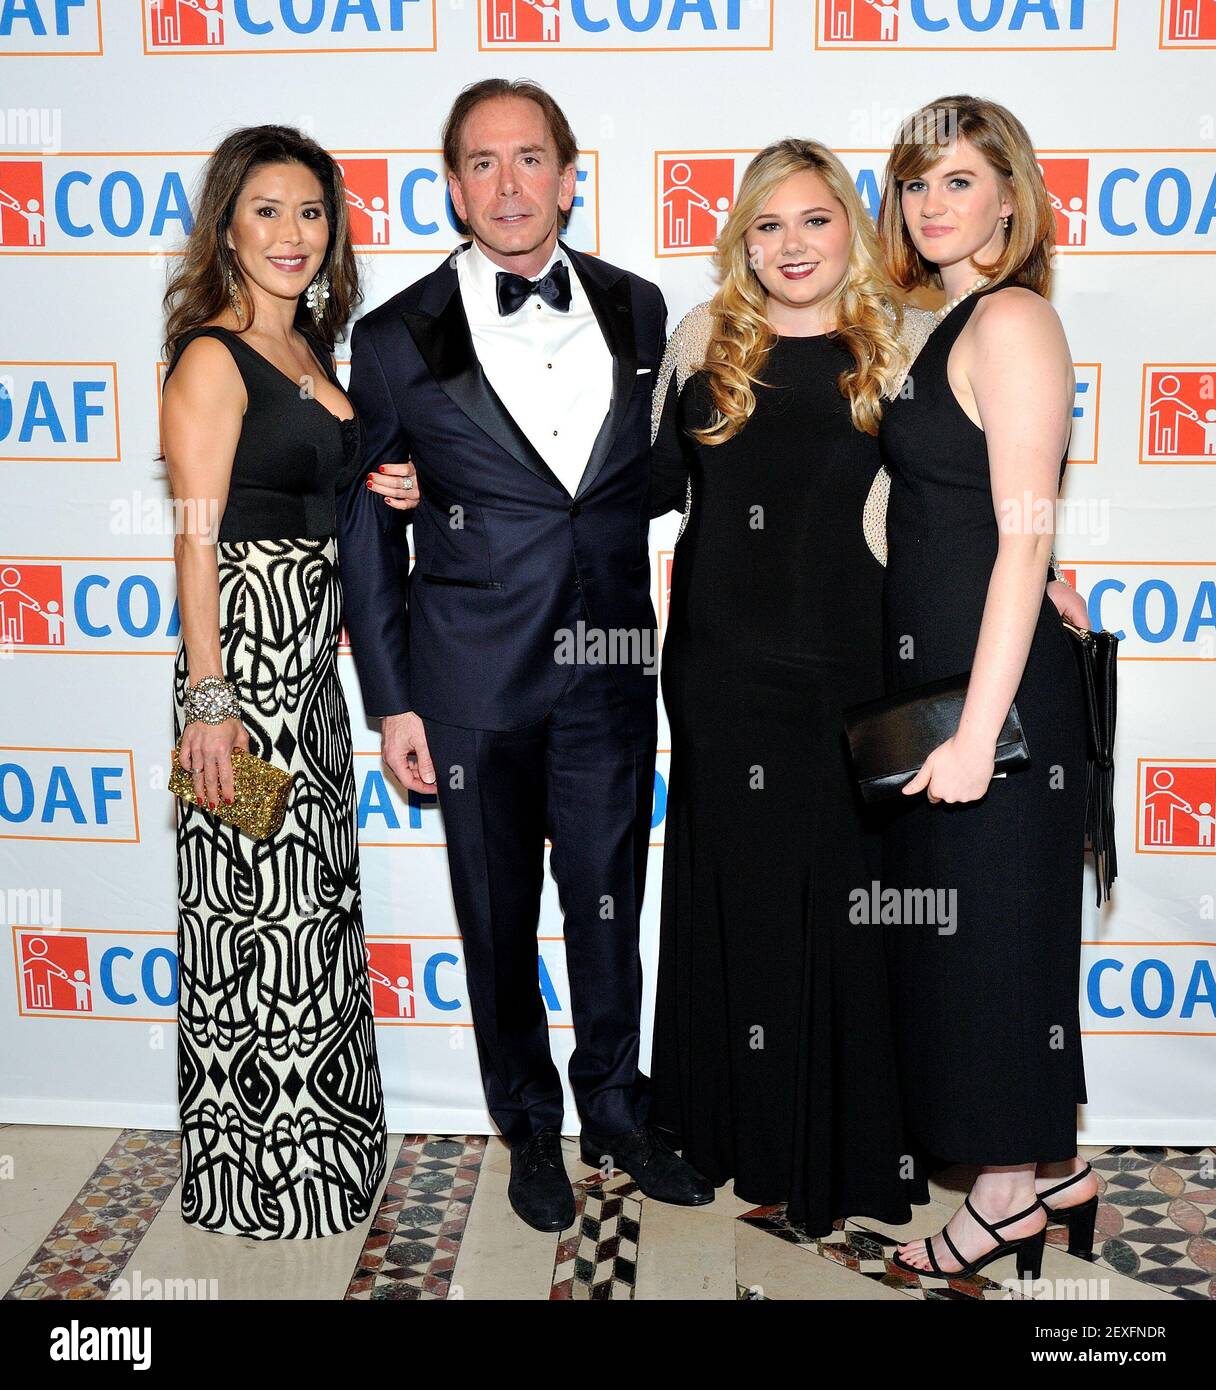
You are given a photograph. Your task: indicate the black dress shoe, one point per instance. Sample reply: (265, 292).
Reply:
(656, 1168)
(539, 1190)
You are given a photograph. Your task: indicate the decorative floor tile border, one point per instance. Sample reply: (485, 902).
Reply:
(414, 1238)
(598, 1258)
(1156, 1218)
(864, 1252)
(1156, 1223)
(90, 1244)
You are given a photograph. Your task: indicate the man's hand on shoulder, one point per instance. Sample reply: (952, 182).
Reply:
(404, 750)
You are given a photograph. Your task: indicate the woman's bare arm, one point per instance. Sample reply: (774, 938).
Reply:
(201, 413)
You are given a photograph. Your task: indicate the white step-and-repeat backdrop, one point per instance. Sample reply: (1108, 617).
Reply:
(109, 110)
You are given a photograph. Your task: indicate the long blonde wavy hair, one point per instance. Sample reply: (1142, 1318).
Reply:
(867, 313)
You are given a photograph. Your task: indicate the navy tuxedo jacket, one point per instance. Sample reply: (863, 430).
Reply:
(504, 557)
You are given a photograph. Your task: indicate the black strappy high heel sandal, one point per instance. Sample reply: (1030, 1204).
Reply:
(1079, 1219)
(1029, 1249)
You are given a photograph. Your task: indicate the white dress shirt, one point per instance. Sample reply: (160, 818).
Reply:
(551, 370)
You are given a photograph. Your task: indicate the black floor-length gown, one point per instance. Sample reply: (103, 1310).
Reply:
(280, 1097)
(773, 1058)
(987, 1017)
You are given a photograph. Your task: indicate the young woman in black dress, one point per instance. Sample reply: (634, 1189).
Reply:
(773, 1057)
(987, 1016)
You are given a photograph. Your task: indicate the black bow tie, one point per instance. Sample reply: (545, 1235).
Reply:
(514, 291)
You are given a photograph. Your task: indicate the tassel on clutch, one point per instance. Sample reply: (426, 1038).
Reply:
(1096, 654)
(260, 792)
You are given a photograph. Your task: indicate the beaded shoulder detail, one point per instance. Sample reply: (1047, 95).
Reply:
(685, 354)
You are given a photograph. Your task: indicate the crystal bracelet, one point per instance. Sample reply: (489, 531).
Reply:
(211, 701)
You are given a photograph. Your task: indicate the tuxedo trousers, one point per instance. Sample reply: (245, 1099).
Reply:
(584, 776)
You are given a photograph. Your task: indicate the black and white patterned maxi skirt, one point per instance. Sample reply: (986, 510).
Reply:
(282, 1110)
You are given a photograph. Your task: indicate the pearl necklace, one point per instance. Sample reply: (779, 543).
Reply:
(941, 313)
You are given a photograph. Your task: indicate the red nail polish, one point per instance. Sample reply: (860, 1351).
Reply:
(381, 468)
(368, 483)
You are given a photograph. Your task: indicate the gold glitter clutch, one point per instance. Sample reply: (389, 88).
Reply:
(260, 792)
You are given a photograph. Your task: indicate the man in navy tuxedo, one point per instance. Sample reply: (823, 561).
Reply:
(518, 377)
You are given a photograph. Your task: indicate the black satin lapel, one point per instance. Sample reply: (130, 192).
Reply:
(614, 310)
(446, 346)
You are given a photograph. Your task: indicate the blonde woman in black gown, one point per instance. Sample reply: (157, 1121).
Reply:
(282, 1110)
(773, 1060)
(987, 1017)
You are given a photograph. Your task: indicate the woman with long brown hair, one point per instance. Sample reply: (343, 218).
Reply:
(282, 1111)
(987, 1017)
(773, 1058)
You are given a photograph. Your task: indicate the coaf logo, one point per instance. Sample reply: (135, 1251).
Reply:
(1116, 201)
(1188, 24)
(288, 26)
(54, 973)
(1153, 201)
(103, 975)
(421, 981)
(366, 183)
(124, 607)
(1170, 982)
(1067, 183)
(32, 28)
(1160, 610)
(1176, 806)
(138, 203)
(95, 204)
(59, 412)
(390, 969)
(186, 23)
(695, 197)
(31, 606)
(22, 203)
(608, 25)
(920, 25)
(1178, 413)
(68, 794)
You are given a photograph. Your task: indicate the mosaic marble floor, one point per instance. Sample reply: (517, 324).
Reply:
(94, 1214)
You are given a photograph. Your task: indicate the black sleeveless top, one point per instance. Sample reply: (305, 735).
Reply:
(293, 456)
(942, 530)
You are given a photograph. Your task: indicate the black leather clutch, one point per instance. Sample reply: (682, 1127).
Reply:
(891, 737)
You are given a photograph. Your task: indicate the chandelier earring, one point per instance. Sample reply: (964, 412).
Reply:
(316, 295)
(235, 299)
